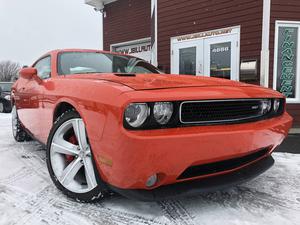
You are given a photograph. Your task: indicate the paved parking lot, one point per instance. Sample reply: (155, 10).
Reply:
(27, 196)
(291, 144)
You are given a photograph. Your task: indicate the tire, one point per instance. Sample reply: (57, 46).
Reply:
(70, 160)
(8, 107)
(18, 131)
(2, 109)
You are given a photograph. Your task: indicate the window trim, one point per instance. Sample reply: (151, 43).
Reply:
(281, 23)
(44, 57)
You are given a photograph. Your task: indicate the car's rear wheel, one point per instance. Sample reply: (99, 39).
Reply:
(70, 160)
(18, 131)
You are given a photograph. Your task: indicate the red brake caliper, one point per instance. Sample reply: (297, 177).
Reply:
(74, 141)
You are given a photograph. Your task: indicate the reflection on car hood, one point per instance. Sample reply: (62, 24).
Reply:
(161, 81)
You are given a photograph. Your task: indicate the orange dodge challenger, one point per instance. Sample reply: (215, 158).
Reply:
(115, 122)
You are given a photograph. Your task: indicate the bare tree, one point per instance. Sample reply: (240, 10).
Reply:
(9, 71)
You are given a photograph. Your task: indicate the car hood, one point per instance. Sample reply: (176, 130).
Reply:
(161, 81)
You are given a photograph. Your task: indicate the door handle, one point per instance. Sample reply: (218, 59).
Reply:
(200, 69)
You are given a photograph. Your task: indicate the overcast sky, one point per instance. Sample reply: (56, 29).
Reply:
(30, 28)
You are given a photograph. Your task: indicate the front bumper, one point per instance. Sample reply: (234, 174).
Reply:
(205, 185)
(126, 159)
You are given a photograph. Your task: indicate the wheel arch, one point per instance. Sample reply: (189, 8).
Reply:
(63, 106)
(86, 114)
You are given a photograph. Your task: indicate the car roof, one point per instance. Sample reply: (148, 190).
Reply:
(57, 51)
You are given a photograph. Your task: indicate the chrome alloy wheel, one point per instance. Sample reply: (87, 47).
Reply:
(71, 161)
(14, 121)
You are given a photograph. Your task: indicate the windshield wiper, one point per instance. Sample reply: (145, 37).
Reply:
(86, 72)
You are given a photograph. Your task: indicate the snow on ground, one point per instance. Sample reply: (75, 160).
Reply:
(27, 196)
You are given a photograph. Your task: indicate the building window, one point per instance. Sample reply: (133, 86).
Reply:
(220, 60)
(187, 59)
(286, 60)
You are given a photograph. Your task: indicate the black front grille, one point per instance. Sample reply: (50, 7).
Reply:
(219, 111)
(211, 168)
(214, 112)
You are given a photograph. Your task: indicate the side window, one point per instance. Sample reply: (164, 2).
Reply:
(44, 67)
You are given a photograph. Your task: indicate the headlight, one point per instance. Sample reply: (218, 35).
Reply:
(276, 105)
(7, 97)
(266, 106)
(162, 112)
(136, 114)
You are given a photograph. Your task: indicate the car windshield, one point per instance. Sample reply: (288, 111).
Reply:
(5, 87)
(93, 62)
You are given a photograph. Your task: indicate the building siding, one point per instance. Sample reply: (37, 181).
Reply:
(185, 17)
(284, 10)
(129, 20)
(126, 20)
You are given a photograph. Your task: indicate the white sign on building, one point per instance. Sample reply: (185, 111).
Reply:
(138, 48)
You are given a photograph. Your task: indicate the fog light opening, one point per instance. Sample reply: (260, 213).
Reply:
(152, 180)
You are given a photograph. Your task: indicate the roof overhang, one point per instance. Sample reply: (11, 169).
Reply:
(98, 4)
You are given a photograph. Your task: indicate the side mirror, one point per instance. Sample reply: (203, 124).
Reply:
(28, 73)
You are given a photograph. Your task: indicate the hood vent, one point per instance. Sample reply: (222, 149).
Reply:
(125, 74)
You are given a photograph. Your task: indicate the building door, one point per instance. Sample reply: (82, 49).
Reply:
(221, 57)
(215, 56)
(188, 58)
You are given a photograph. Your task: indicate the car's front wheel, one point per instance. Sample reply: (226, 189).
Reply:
(70, 160)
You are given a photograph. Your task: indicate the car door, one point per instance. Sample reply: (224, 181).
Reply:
(30, 93)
